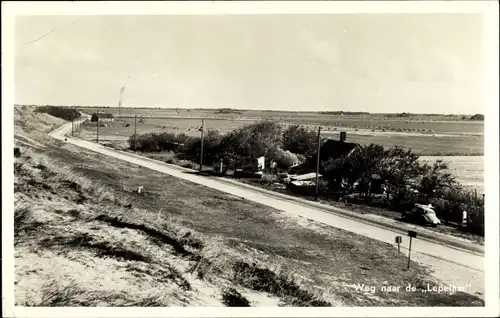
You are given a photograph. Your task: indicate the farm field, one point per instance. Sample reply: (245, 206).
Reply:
(468, 169)
(415, 122)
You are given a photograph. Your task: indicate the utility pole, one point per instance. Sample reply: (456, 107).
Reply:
(317, 162)
(201, 148)
(135, 131)
(97, 126)
(73, 127)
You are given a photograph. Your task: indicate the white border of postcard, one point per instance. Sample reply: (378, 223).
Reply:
(489, 10)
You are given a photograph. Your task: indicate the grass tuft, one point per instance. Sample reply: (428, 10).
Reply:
(265, 280)
(232, 298)
(55, 295)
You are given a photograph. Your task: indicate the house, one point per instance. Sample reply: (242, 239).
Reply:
(103, 117)
(106, 117)
(331, 149)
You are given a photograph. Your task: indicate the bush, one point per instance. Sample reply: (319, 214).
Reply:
(268, 179)
(476, 221)
(404, 201)
(244, 145)
(144, 142)
(479, 117)
(283, 158)
(299, 140)
(66, 113)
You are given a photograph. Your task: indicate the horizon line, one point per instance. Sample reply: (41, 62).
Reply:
(337, 112)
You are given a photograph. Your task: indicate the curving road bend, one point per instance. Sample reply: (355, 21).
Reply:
(453, 266)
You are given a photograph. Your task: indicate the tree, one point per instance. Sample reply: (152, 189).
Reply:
(243, 146)
(400, 167)
(211, 146)
(478, 117)
(283, 158)
(436, 178)
(299, 140)
(66, 113)
(357, 166)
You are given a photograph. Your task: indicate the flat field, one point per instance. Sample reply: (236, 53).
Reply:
(435, 123)
(468, 169)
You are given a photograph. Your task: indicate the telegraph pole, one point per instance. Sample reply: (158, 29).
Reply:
(201, 149)
(72, 127)
(317, 163)
(135, 131)
(97, 125)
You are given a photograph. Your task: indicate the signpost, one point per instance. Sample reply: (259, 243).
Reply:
(399, 240)
(411, 234)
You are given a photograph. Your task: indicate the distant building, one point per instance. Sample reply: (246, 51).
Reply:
(105, 117)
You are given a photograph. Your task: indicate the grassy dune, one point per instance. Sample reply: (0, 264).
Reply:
(84, 237)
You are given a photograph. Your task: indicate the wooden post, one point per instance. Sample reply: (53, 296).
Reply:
(135, 131)
(411, 234)
(398, 241)
(201, 146)
(317, 162)
(409, 252)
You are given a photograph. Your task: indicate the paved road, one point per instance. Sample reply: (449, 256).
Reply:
(453, 266)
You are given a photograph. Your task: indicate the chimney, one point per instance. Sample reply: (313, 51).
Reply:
(343, 136)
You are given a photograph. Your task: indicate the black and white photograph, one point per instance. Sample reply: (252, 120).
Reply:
(320, 157)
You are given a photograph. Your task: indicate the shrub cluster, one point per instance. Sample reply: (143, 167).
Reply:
(66, 113)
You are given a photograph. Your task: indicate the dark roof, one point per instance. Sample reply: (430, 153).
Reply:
(334, 149)
(330, 149)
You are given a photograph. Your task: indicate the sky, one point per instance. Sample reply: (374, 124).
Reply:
(419, 63)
